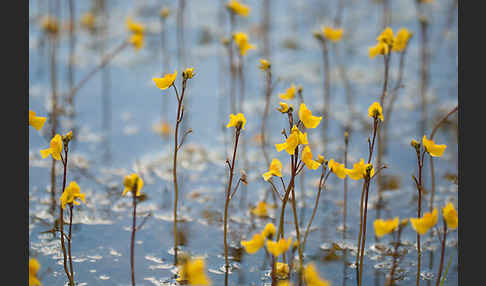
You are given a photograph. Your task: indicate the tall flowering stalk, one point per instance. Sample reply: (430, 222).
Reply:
(164, 83)
(266, 67)
(450, 221)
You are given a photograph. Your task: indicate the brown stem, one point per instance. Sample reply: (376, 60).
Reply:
(441, 265)
(327, 91)
(69, 240)
(61, 219)
(134, 228)
(265, 112)
(297, 231)
(367, 183)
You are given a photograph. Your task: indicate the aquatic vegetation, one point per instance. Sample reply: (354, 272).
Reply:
(422, 224)
(289, 93)
(312, 278)
(36, 121)
(435, 150)
(275, 169)
(70, 194)
(55, 148)
(253, 245)
(383, 227)
(277, 248)
(305, 115)
(34, 267)
(193, 272)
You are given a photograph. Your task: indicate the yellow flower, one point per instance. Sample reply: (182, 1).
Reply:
(383, 227)
(312, 278)
(284, 107)
(386, 36)
(253, 245)
(423, 224)
(296, 137)
(264, 64)
(320, 159)
(36, 121)
(137, 41)
(165, 12)
(260, 210)
(375, 111)
(50, 25)
(236, 7)
(289, 93)
(162, 128)
(275, 169)
(307, 159)
(88, 21)
(192, 271)
(433, 149)
(71, 193)
(33, 269)
(380, 49)
(284, 283)
(269, 231)
(134, 27)
(337, 169)
(450, 216)
(277, 248)
(332, 34)
(129, 182)
(359, 170)
(241, 40)
(166, 81)
(188, 73)
(282, 270)
(305, 115)
(55, 148)
(236, 120)
(401, 40)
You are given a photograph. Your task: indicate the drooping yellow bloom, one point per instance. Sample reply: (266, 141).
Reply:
(312, 278)
(129, 182)
(236, 7)
(282, 270)
(359, 170)
(332, 34)
(134, 27)
(386, 36)
(137, 41)
(289, 93)
(269, 230)
(71, 193)
(305, 115)
(164, 13)
(277, 248)
(383, 227)
(307, 159)
(433, 149)
(320, 159)
(296, 137)
(264, 65)
(380, 49)
(55, 148)
(188, 73)
(284, 107)
(166, 81)
(260, 210)
(193, 272)
(423, 224)
(337, 168)
(253, 245)
(242, 42)
(88, 21)
(450, 216)
(237, 119)
(401, 40)
(275, 169)
(375, 111)
(36, 121)
(34, 266)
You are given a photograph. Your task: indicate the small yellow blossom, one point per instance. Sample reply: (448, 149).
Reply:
(264, 65)
(55, 148)
(383, 227)
(129, 182)
(277, 248)
(162, 128)
(386, 36)
(332, 34)
(71, 193)
(193, 272)
(337, 169)
(275, 169)
(164, 13)
(236, 7)
(320, 159)
(242, 42)
(284, 107)
(134, 27)
(260, 210)
(253, 245)
(312, 278)
(34, 266)
(269, 230)
(423, 224)
(450, 216)
(289, 93)
(284, 283)
(380, 49)
(415, 144)
(282, 270)
(305, 115)
(296, 137)
(166, 81)
(88, 21)
(359, 170)
(236, 120)
(401, 40)
(137, 41)
(36, 121)
(433, 149)
(188, 73)
(50, 25)
(307, 159)
(375, 111)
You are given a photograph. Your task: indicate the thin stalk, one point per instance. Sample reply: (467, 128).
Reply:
(69, 240)
(380, 137)
(54, 112)
(420, 163)
(134, 228)
(61, 218)
(297, 231)
(180, 32)
(266, 110)
(367, 183)
(232, 65)
(442, 251)
(327, 90)
(345, 210)
(395, 258)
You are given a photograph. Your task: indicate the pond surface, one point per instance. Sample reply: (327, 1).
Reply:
(118, 109)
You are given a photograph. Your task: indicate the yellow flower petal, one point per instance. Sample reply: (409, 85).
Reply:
(166, 81)
(450, 216)
(375, 111)
(433, 149)
(253, 245)
(289, 93)
(305, 115)
(237, 119)
(383, 227)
